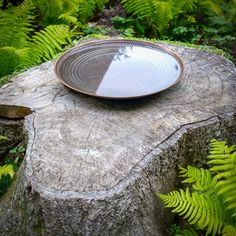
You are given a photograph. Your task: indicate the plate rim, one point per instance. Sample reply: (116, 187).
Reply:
(98, 42)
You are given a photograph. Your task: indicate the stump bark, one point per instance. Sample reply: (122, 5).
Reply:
(92, 166)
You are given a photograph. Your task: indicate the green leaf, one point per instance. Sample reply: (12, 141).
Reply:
(5, 182)
(3, 138)
(7, 169)
(212, 204)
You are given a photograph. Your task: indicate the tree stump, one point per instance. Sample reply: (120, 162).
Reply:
(92, 166)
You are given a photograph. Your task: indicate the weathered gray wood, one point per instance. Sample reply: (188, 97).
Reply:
(92, 166)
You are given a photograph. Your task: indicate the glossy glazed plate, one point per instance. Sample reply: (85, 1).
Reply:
(119, 69)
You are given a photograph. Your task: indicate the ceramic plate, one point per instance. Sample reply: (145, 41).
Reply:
(119, 69)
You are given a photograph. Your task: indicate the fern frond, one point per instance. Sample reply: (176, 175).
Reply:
(7, 170)
(212, 206)
(186, 6)
(49, 11)
(229, 230)
(46, 43)
(211, 6)
(203, 209)
(16, 25)
(100, 4)
(86, 9)
(58, 11)
(68, 18)
(148, 10)
(157, 12)
(201, 177)
(223, 159)
(163, 12)
(12, 59)
(189, 232)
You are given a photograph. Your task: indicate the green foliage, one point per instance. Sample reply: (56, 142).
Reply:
(9, 166)
(5, 182)
(47, 42)
(204, 22)
(158, 13)
(6, 176)
(88, 30)
(18, 151)
(7, 170)
(129, 26)
(36, 30)
(223, 161)
(16, 25)
(3, 138)
(56, 12)
(211, 203)
(87, 7)
(12, 59)
(41, 47)
(175, 230)
(200, 28)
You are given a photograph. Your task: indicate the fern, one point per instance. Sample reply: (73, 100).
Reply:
(223, 159)
(229, 230)
(211, 6)
(211, 206)
(55, 11)
(16, 25)
(7, 170)
(201, 177)
(69, 18)
(12, 59)
(36, 30)
(67, 11)
(46, 43)
(204, 209)
(88, 7)
(159, 13)
(42, 46)
(100, 4)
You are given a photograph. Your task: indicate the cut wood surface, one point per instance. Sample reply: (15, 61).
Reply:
(95, 164)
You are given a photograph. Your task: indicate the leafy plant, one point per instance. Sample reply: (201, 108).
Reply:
(88, 7)
(18, 151)
(88, 30)
(36, 30)
(7, 170)
(9, 165)
(193, 21)
(176, 230)
(5, 182)
(3, 138)
(158, 13)
(20, 48)
(129, 26)
(210, 204)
